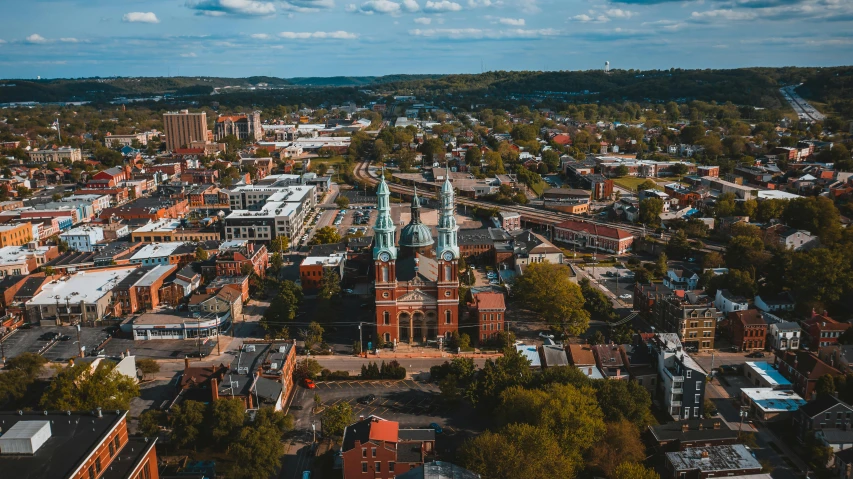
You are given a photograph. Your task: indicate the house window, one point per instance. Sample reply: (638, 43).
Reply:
(363, 467)
(391, 467)
(386, 319)
(688, 373)
(91, 472)
(696, 399)
(696, 412)
(364, 452)
(698, 386)
(112, 449)
(378, 466)
(373, 452)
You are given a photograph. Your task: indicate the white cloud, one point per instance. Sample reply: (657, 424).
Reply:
(584, 18)
(218, 8)
(484, 34)
(140, 17)
(423, 20)
(722, 14)
(307, 5)
(2, 41)
(410, 5)
(260, 36)
(338, 35)
(442, 6)
(517, 22)
(479, 3)
(69, 40)
(36, 38)
(189, 55)
(385, 7)
(619, 13)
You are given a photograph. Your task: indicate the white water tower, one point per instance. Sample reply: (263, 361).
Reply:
(606, 67)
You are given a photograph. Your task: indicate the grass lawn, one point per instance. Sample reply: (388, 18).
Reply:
(631, 182)
(538, 188)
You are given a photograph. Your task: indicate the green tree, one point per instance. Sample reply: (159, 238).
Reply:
(621, 444)
(150, 422)
(825, 386)
(201, 254)
(276, 262)
(678, 246)
(821, 276)
(770, 210)
(330, 286)
(342, 201)
(632, 470)
(313, 335)
(725, 205)
(624, 401)
(279, 244)
(650, 210)
(326, 235)
(307, 368)
(547, 290)
(257, 451)
(596, 302)
(21, 373)
(336, 419)
(621, 171)
(518, 450)
(647, 185)
(661, 265)
(186, 420)
(816, 214)
(80, 388)
(282, 309)
(511, 369)
(744, 251)
(226, 416)
(147, 366)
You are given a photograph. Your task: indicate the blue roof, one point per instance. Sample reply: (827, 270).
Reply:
(769, 373)
(530, 352)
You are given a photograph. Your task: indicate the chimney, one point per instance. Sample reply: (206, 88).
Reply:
(186, 361)
(705, 456)
(716, 424)
(618, 372)
(590, 371)
(685, 427)
(214, 389)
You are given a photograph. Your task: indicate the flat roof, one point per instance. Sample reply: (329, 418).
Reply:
(776, 195)
(774, 400)
(18, 254)
(332, 260)
(81, 231)
(734, 457)
(72, 438)
(271, 209)
(768, 373)
(156, 250)
(156, 273)
(166, 224)
(86, 286)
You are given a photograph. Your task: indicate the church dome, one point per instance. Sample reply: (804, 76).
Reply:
(416, 234)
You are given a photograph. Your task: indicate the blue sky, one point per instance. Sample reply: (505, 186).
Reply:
(289, 38)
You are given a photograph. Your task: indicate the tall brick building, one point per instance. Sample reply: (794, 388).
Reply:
(417, 285)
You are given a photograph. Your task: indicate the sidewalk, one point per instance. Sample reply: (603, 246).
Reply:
(430, 354)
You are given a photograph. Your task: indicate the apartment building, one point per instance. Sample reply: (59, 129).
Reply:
(83, 238)
(16, 234)
(81, 297)
(682, 381)
(379, 449)
(233, 255)
(183, 128)
(693, 317)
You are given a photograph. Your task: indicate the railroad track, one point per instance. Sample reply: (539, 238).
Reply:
(528, 213)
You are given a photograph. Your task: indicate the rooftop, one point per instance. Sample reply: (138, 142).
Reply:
(734, 457)
(529, 351)
(769, 374)
(156, 250)
(86, 286)
(774, 400)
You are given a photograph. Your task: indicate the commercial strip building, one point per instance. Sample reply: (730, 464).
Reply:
(169, 229)
(82, 297)
(168, 325)
(313, 268)
(589, 235)
(83, 238)
(766, 404)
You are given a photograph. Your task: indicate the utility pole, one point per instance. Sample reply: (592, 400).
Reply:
(198, 335)
(2, 347)
(218, 342)
(79, 344)
(360, 339)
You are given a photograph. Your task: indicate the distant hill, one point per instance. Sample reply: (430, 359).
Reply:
(744, 86)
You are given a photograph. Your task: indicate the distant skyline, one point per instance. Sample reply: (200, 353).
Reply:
(297, 38)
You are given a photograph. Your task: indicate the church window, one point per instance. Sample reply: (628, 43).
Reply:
(447, 317)
(384, 275)
(385, 294)
(447, 273)
(447, 293)
(386, 317)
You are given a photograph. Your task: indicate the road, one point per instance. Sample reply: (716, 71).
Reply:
(804, 110)
(412, 365)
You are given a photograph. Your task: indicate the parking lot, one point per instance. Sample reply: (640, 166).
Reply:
(411, 403)
(349, 218)
(615, 280)
(27, 341)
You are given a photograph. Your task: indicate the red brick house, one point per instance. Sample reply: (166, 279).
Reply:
(803, 369)
(590, 235)
(748, 329)
(230, 260)
(109, 177)
(488, 311)
(820, 330)
(376, 448)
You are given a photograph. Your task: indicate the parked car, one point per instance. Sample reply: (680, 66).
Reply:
(367, 399)
(349, 291)
(64, 337)
(435, 426)
(308, 383)
(625, 296)
(755, 354)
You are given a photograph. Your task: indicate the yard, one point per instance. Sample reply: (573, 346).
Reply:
(631, 182)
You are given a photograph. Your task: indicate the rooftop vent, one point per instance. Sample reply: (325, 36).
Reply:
(25, 437)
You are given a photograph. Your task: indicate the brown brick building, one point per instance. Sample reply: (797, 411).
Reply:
(748, 329)
(378, 449)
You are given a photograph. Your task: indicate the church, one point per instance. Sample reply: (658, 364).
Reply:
(417, 283)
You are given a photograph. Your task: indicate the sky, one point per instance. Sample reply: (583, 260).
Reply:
(298, 38)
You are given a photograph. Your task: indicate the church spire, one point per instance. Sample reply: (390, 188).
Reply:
(384, 227)
(447, 227)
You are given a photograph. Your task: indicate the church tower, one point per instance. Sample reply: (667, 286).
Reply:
(447, 255)
(385, 260)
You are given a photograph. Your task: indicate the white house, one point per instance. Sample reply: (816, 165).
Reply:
(784, 336)
(782, 302)
(726, 302)
(84, 238)
(681, 279)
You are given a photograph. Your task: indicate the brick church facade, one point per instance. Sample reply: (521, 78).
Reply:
(417, 283)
